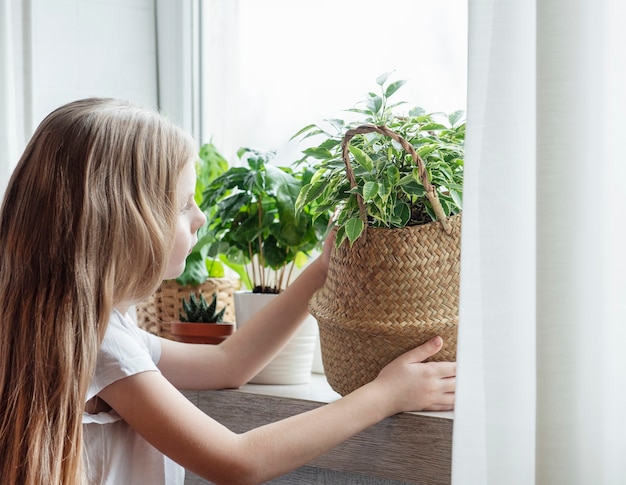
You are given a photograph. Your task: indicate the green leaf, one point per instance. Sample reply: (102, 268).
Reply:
(284, 185)
(307, 129)
(215, 269)
(457, 197)
(341, 235)
(417, 111)
(361, 158)
(374, 104)
(229, 207)
(275, 255)
(239, 269)
(195, 270)
(402, 212)
(393, 87)
(320, 153)
(455, 117)
(416, 175)
(317, 188)
(393, 174)
(382, 78)
(433, 127)
(370, 189)
(425, 150)
(414, 188)
(354, 229)
(212, 306)
(384, 189)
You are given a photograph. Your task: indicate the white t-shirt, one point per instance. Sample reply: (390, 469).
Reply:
(114, 453)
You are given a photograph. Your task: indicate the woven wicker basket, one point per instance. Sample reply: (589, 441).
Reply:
(159, 310)
(389, 292)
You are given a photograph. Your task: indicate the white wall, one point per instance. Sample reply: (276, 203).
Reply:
(83, 48)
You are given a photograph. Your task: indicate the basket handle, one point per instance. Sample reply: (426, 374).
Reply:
(431, 192)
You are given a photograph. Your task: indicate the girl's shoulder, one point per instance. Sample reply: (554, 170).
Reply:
(125, 350)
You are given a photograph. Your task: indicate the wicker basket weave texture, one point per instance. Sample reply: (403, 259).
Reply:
(388, 293)
(157, 312)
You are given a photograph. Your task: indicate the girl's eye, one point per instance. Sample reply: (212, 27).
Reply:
(188, 206)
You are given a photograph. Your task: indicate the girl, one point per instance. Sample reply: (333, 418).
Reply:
(98, 211)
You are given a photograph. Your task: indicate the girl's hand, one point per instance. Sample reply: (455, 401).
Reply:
(322, 261)
(329, 245)
(418, 386)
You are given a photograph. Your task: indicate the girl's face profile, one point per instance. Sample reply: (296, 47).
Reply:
(190, 219)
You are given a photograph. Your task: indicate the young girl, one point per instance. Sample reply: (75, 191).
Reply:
(98, 211)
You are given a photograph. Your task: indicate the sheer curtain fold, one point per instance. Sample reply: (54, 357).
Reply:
(541, 381)
(496, 335)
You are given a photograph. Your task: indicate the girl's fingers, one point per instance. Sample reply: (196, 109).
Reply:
(448, 384)
(424, 351)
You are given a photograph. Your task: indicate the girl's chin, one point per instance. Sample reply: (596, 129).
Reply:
(172, 273)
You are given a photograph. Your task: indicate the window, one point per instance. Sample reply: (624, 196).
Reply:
(270, 67)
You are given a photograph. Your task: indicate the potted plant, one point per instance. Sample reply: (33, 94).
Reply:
(200, 322)
(254, 221)
(204, 274)
(386, 177)
(395, 182)
(255, 225)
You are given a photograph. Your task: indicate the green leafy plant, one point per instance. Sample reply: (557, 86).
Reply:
(255, 223)
(198, 310)
(385, 173)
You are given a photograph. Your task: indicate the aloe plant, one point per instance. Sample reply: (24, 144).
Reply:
(197, 309)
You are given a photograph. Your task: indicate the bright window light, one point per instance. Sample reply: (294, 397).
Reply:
(271, 67)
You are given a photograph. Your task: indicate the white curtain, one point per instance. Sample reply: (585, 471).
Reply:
(542, 334)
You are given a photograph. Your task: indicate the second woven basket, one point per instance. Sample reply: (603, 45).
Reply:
(162, 308)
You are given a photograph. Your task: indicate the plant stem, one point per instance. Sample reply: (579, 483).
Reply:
(261, 262)
(291, 267)
(252, 265)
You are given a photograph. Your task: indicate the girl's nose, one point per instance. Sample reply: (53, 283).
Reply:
(199, 219)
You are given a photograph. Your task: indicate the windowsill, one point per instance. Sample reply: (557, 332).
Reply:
(408, 448)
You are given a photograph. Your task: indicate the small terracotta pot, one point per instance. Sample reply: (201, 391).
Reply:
(201, 333)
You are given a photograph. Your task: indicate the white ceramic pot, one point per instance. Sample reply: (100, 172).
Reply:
(293, 364)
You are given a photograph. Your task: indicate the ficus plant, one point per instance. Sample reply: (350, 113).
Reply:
(255, 223)
(385, 173)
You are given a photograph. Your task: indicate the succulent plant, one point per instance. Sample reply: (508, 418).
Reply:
(198, 310)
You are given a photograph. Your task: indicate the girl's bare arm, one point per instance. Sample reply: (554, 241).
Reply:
(156, 410)
(235, 361)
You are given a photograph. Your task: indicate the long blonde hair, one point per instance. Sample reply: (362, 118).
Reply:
(87, 223)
